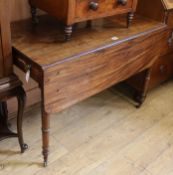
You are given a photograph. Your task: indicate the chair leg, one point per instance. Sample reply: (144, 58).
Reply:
(4, 114)
(5, 132)
(21, 97)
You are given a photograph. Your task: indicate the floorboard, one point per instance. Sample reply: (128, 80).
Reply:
(103, 135)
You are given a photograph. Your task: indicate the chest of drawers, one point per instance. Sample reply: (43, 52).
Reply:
(72, 11)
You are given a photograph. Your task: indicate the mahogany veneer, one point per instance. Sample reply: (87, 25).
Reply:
(94, 60)
(72, 11)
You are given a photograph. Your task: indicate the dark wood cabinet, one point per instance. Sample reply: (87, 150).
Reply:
(162, 69)
(72, 11)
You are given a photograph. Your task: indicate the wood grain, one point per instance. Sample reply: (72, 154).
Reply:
(148, 11)
(97, 64)
(91, 74)
(48, 50)
(162, 70)
(5, 39)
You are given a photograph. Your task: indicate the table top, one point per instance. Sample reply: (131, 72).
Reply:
(44, 44)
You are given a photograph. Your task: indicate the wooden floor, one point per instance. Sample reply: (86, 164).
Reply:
(104, 135)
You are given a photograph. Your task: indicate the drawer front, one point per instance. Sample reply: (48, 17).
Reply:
(90, 9)
(75, 80)
(168, 45)
(26, 65)
(162, 70)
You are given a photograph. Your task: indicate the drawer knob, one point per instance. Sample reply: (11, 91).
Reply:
(122, 2)
(93, 6)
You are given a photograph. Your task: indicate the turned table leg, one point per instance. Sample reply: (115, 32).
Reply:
(21, 97)
(68, 32)
(130, 17)
(140, 97)
(45, 136)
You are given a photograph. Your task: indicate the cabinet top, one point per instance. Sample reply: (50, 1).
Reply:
(43, 45)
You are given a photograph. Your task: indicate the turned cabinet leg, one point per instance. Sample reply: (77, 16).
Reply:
(140, 97)
(34, 14)
(21, 97)
(68, 32)
(130, 17)
(45, 136)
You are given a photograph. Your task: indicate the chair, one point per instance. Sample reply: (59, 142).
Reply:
(10, 85)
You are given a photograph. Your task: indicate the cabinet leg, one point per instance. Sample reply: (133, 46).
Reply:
(45, 136)
(140, 97)
(68, 32)
(34, 14)
(21, 97)
(130, 17)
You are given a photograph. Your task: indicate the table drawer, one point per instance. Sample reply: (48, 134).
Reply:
(77, 79)
(99, 8)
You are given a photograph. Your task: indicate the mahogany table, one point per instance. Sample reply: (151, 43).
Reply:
(94, 59)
